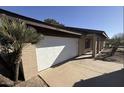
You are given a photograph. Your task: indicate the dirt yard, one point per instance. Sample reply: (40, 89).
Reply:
(118, 56)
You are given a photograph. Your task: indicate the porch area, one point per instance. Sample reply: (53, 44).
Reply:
(91, 44)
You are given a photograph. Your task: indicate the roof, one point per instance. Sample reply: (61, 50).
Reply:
(36, 22)
(83, 30)
(66, 29)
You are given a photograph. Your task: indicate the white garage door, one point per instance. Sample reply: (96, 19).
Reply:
(53, 50)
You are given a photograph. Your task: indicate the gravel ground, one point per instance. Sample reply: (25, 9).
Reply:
(5, 82)
(118, 57)
(33, 82)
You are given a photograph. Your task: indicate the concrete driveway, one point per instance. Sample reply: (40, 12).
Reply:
(67, 74)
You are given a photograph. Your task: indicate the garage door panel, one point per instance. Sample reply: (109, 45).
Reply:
(53, 50)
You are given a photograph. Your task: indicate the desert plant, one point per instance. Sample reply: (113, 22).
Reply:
(14, 35)
(115, 42)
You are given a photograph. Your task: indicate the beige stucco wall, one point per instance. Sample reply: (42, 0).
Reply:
(29, 64)
(96, 46)
(81, 45)
(91, 45)
(29, 61)
(82, 49)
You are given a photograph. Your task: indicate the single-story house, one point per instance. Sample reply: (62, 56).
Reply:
(58, 44)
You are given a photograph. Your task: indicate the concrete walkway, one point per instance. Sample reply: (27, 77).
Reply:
(66, 75)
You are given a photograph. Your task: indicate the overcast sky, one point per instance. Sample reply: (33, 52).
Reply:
(108, 19)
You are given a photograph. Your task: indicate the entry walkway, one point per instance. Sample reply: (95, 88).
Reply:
(79, 69)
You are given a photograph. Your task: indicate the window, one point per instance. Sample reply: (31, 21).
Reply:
(87, 43)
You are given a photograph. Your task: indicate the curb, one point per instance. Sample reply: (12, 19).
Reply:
(47, 85)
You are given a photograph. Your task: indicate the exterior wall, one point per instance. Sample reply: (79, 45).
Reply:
(53, 50)
(103, 44)
(98, 44)
(81, 45)
(91, 45)
(29, 64)
(82, 49)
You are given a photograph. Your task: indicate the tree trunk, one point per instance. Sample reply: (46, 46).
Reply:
(16, 73)
(16, 67)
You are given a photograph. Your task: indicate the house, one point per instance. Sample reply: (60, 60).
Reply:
(57, 46)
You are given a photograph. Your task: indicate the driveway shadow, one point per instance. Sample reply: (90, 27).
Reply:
(114, 79)
(74, 58)
(88, 57)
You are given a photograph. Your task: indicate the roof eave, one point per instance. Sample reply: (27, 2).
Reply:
(52, 28)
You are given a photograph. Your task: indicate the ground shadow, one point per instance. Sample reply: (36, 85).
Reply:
(63, 62)
(73, 58)
(114, 79)
(89, 57)
(4, 85)
(4, 69)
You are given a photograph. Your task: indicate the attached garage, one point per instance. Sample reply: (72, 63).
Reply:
(53, 50)
(58, 45)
